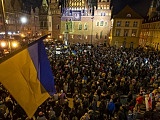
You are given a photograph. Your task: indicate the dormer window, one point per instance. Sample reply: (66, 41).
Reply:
(128, 15)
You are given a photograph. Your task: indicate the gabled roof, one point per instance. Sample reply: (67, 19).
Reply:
(128, 13)
(140, 6)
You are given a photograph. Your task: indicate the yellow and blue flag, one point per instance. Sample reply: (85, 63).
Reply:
(28, 77)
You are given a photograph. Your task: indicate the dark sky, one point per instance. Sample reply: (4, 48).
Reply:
(139, 6)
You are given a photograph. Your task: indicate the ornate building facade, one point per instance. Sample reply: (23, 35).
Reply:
(150, 30)
(83, 21)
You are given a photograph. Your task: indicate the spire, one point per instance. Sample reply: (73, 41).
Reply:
(153, 4)
(153, 9)
(44, 3)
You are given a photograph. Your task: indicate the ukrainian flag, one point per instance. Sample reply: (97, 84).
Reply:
(27, 76)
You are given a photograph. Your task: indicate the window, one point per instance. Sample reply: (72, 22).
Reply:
(97, 23)
(86, 37)
(85, 26)
(126, 32)
(80, 27)
(106, 23)
(134, 31)
(128, 15)
(135, 23)
(131, 45)
(118, 23)
(127, 24)
(58, 27)
(72, 36)
(101, 23)
(118, 32)
(67, 27)
(108, 7)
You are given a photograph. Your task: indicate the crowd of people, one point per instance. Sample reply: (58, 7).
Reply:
(96, 78)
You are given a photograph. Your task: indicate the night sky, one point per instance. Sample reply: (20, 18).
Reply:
(140, 6)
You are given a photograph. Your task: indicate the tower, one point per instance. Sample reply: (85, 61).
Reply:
(153, 9)
(43, 17)
(55, 7)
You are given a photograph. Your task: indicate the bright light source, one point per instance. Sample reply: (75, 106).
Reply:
(22, 35)
(60, 36)
(14, 44)
(3, 44)
(23, 20)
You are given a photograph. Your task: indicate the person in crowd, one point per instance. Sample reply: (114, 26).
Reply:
(111, 109)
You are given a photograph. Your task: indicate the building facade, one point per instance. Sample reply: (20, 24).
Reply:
(150, 33)
(150, 30)
(126, 28)
(81, 21)
(11, 23)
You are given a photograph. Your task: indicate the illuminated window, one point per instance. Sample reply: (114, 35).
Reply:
(118, 31)
(58, 27)
(118, 23)
(85, 26)
(101, 23)
(128, 15)
(134, 31)
(108, 7)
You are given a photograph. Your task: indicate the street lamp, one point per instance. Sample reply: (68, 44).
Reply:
(8, 46)
(23, 20)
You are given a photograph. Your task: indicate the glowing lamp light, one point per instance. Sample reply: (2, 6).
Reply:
(22, 35)
(23, 20)
(14, 44)
(60, 36)
(3, 44)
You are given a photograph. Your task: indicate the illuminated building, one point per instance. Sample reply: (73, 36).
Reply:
(126, 28)
(150, 30)
(81, 21)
